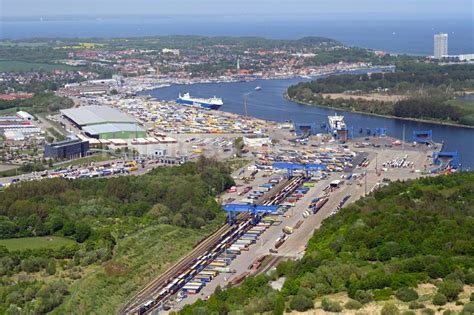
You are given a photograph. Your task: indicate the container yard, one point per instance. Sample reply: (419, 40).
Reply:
(305, 198)
(169, 117)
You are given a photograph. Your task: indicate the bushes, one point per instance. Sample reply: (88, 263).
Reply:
(382, 294)
(363, 297)
(389, 309)
(406, 294)
(415, 305)
(451, 289)
(331, 306)
(301, 303)
(353, 305)
(33, 264)
(51, 267)
(439, 299)
(468, 309)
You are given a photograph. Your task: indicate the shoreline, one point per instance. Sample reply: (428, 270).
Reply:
(285, 95)
(377, 68)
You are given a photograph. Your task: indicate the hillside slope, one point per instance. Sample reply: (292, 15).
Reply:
(402, 236)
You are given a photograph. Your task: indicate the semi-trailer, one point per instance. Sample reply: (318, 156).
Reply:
(217, 264)
(249, 238)
(224, 270)
(205, 278)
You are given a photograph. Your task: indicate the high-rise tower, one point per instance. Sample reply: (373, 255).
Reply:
(440, 45)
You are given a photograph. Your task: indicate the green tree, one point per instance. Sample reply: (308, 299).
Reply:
(82, 232)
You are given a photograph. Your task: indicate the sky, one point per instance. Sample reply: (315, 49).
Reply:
(292, 8)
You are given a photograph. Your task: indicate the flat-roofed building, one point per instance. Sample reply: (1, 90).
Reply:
(104, 122)
(67, 149)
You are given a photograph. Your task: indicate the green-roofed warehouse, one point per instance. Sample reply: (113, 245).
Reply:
(104, 122)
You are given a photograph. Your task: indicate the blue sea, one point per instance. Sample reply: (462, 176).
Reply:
(392, 35)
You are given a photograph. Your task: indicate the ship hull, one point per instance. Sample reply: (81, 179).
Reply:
(198, 104)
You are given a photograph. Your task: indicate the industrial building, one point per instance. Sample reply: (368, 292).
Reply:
(19, 127)
(104, 122)
(67, 149)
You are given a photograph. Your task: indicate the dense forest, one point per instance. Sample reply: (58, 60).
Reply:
(350, 55)
(379, 248)
(428, 90)
(95, 214)
(409, 76)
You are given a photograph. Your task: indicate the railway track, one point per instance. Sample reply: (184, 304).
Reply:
(153, 287)
(152, 290)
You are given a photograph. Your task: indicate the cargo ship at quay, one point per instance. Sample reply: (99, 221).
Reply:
(206, 103)
(338, 127)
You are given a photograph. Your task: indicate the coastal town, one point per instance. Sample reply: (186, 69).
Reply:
(82, 76)
(246, 194)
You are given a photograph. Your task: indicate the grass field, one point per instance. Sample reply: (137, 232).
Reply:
(140, 257)
(466, 105)
(14, 65)
(35, 242)
(12, 110)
